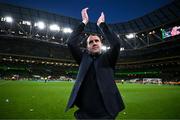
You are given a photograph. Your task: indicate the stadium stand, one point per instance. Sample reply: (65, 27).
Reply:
(33, 42)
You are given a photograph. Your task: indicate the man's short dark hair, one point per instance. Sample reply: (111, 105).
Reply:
(84, 42)
(95, 34)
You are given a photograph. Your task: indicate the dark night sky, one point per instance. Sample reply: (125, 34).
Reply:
(115, 10)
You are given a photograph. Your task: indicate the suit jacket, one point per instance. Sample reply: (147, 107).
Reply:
(104, 68)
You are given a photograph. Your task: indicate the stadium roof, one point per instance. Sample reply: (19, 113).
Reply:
(142, 27)
(115, 10)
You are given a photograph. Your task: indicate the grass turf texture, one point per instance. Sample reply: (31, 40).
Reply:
(39, 100)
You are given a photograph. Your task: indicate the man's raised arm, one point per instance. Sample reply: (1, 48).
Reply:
(113, 53)
(74, 40)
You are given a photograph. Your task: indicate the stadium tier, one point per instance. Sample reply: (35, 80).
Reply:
(33, 42)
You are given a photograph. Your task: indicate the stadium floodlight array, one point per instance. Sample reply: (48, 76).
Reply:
(25, 22)
(41, 25)
(152, 32)
(67, 30)
(54, 27)
(130, 35)
(105, 48)
(122, 48)
(7, 19)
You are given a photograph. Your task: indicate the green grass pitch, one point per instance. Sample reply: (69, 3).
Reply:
(39, 100)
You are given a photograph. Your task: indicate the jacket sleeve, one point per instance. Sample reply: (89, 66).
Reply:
(74, 41)
(112, 38)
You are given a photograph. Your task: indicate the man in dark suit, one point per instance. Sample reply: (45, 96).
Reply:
(95, 92)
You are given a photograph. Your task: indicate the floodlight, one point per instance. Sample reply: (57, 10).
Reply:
(40, 25)
(104, 48)
(9, 19)
(54, 27)
(130, 35)
(67, 30)
(122, 48)
(26, 22)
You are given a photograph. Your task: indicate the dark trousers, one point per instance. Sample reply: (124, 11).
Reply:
(79, 115)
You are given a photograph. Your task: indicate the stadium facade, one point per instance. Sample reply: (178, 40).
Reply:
(33, 42)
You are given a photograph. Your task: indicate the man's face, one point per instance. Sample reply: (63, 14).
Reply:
(94, 44)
